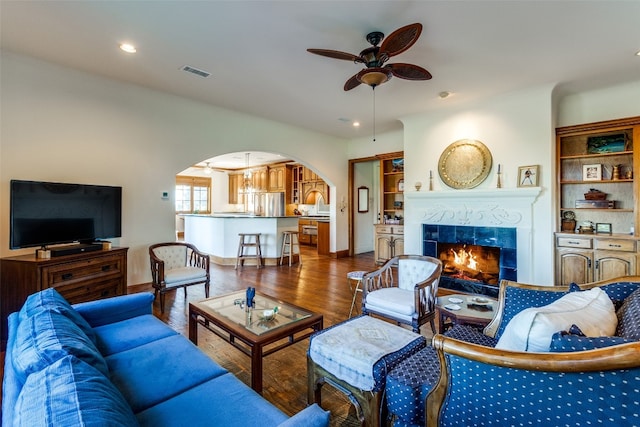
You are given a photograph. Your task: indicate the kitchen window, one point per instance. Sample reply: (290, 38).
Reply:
(193, 195)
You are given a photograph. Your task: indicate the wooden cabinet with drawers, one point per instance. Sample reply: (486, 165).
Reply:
(389, 242)
(308, 232)
(79, 278)
(586, 258)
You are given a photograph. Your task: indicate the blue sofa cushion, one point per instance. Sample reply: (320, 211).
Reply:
(629, 317)
(157, 371)
(224, 400)
(69, 392)
(49, 299)
(127, 334)
(48, 336)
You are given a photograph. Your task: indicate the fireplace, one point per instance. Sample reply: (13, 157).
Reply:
(474, 259)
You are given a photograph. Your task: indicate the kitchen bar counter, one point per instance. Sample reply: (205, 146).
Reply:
(217, 234)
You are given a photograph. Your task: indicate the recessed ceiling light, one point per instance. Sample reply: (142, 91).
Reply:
(129, 48)
(444, 94)
(638, 53)
(356, 124)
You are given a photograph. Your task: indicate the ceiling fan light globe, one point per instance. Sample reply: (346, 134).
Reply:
(374, 77)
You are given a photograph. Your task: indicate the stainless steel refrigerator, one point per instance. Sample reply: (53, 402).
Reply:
(269, 204)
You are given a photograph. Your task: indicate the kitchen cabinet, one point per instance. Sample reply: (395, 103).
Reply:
(259, 179)
(308, 232)
(323, 238)
(389, 242)
(236, 188)
(583, 259)
(278, 178)
(296, 184)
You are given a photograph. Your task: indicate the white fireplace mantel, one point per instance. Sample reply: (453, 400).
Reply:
(500, 207)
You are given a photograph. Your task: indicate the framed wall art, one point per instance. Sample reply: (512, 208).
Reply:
(592, 172)
(528, 176)
(363, 199)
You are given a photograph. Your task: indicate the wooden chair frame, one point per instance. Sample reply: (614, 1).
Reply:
(195, 259)
(425, 292)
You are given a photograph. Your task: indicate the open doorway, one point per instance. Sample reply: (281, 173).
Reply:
(364, 173)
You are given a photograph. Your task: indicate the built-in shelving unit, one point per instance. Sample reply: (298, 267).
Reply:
(604, 156)
(392, 188)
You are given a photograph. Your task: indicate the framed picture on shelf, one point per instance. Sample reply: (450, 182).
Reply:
(592, 172)
(528, 176)
(401, 186)
(603, 228)
(397, 165)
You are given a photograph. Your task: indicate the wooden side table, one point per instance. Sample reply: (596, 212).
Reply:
(462, 309)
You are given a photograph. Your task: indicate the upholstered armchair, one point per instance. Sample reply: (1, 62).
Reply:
(177, 265)
(404, 289)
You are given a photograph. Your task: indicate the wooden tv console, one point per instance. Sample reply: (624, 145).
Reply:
(79, 278)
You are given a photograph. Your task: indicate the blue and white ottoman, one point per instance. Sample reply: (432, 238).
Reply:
(409, 383)
(354, 357)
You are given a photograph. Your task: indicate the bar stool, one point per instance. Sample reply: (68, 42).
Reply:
(288, 244)
(354, 277)
(248, 244)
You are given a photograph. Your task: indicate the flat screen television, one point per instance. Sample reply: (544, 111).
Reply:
(49, 213)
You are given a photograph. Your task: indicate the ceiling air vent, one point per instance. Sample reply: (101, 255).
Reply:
(195, 71)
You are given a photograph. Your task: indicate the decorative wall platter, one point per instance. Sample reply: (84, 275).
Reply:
(465, 164)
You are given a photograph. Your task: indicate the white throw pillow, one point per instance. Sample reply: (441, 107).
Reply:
(531, 329)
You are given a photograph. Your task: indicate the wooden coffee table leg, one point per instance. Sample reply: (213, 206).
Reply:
(256, 368)
(193, 327)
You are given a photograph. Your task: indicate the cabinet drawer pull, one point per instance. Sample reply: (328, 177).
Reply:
(106, 267)
(611, 245)
(573, 243)
(67, 276)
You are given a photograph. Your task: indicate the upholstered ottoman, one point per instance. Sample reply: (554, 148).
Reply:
(411, 380)
(355, 357)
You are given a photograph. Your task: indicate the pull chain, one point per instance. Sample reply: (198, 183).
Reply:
(374, 113)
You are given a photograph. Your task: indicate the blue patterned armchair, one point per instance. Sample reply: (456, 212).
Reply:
(578, 383)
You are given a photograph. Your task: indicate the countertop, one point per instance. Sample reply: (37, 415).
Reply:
(237, 215)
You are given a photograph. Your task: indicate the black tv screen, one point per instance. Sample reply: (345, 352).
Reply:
(48, 213)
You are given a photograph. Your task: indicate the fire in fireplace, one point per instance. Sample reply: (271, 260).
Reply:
(473, 263)
(489, 255)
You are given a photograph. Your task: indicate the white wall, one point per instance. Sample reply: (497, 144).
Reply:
(64, 125)
(615, 102)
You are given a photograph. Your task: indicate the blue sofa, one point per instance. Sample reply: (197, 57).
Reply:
(112, 363)
(579, 381)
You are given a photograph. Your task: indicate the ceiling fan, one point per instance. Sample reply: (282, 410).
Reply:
(375, 57)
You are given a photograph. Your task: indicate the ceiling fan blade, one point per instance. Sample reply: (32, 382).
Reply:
(336, 54)
(401, 39)
(352, 82)
(409, 71)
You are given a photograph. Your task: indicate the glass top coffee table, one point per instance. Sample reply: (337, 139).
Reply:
(249, 330)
